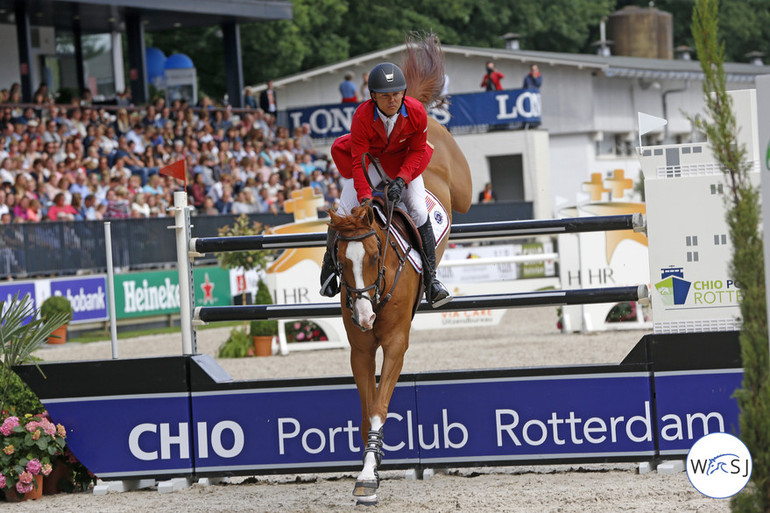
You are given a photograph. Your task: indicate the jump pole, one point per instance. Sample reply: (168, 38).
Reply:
(186, 298)
(460, 232)
(204, 314)
(111, 289)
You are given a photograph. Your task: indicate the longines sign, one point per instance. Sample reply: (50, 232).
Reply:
(487, 108)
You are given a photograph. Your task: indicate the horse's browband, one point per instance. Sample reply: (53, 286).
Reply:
(356, 237)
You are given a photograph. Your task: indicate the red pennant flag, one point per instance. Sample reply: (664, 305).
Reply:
(178, 170)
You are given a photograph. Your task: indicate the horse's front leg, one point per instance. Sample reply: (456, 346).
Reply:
(362, 362)
(393, 360)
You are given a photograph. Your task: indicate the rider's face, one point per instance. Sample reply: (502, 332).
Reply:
(389, 103)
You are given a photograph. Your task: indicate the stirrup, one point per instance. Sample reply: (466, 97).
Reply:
(441, 302)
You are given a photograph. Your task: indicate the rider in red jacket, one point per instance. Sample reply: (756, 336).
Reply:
(392, 127)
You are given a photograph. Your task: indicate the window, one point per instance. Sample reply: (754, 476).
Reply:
(614, 145)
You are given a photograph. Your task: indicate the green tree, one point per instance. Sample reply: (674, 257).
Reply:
(743, 218)
(322, 32)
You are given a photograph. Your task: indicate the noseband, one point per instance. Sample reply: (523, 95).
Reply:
(378, 300)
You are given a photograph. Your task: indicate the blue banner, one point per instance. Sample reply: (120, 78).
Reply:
(487, 419)
(128, 435)
(7, 291)
(87, 295)
(513, 106)
(692, 404)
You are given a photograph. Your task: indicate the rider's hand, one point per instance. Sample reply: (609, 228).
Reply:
(366, 202)
(396, 190)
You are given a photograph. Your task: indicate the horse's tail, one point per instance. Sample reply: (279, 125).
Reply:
(423, 67)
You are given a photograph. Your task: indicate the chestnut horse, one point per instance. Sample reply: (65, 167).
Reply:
(371, 268)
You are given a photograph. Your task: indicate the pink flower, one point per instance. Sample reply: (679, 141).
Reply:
(48, 427)
(22, 488)
(25, 477)
(31, 426)
(301, 336)
(34, 466)
(8, 424)
(2, 481)
(8, 449)
(47, 469)
(297, 326)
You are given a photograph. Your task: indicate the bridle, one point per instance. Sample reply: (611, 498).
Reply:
(377, 299)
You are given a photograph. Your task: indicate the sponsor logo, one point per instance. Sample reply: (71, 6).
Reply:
(146, 297)
(673, 288)
(719, 465)
(208, 288)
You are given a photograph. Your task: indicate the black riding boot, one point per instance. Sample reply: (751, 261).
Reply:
(435, 292)
(329, 285)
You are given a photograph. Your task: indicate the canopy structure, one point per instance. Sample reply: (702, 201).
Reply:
(134, 17)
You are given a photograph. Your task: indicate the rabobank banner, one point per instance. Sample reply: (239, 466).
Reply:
(486, 108)
(87, 295)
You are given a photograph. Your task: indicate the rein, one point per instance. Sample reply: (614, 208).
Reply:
(385, 179)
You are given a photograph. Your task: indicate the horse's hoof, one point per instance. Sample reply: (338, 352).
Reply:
(365, 489)
(370, 500)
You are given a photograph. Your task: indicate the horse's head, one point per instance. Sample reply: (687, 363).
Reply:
(358, 257)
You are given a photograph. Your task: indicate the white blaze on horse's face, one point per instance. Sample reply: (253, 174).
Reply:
(356, 253)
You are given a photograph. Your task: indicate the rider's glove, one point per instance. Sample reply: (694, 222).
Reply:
(366, 202)
(396, 190)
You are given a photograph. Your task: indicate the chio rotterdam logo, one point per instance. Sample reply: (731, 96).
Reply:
(719, 465)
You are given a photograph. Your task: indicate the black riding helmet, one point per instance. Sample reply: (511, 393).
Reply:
(386, 78)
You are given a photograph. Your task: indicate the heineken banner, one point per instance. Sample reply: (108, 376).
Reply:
(157, 292)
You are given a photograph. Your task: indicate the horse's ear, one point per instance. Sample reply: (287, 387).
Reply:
(333, 217)
(369, 214)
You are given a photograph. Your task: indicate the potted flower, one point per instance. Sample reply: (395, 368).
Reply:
(263, 331)
(57, 305)
(28, 445)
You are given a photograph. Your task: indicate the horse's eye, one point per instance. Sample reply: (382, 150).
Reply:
(373, 259)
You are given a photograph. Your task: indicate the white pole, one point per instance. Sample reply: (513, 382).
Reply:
(763, 102)
(111, 290)
(186, 299)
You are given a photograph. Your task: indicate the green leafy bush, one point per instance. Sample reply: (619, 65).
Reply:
(54, 305)
(21, 334)
(20, 399)
(238, 345)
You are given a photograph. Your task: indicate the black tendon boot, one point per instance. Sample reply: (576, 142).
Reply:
(435, 292)
(329, 285)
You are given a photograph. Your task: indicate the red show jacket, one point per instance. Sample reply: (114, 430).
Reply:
(405, 155)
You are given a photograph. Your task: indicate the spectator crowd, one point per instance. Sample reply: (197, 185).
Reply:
(88, 162)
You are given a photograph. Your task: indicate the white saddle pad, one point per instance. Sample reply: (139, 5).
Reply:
(439, 220)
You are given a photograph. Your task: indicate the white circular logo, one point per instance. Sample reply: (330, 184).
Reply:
(719, 465)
